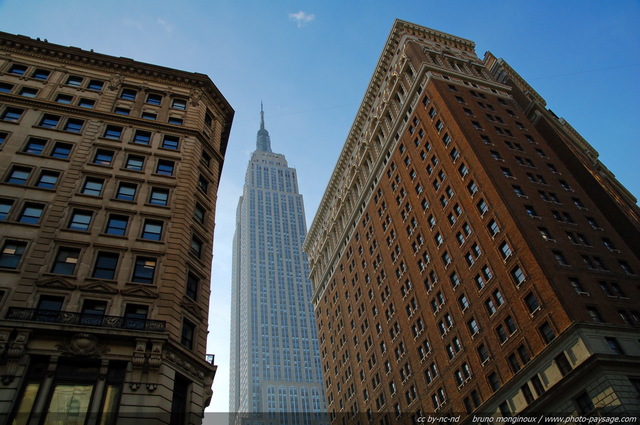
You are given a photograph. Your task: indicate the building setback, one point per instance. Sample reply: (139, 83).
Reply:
(471, 253)
(108, 176)
(275, 360)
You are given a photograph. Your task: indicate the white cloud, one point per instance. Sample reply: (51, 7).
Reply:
(301, 18)
(168, 27)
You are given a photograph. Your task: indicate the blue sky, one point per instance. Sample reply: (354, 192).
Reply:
(311, 61)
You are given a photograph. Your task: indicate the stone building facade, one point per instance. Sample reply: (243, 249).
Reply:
(471, 254)
(109, 170)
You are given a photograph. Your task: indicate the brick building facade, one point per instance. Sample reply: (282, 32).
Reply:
(470, 253)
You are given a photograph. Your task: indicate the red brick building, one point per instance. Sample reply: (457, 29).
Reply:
(471, 254)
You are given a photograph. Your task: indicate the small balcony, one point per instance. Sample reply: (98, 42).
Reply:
(85, 319)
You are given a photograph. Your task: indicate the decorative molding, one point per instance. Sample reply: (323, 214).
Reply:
(83, 345)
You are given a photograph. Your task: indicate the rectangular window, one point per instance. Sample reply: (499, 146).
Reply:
(80, 220)
(18, 175)
(74, 125)
(547, 332)
(126, 192)
(28, 92)
(95, 85)
(159, 196)
(40, 74)
(66, 260)
(12, 114)
(103, 157)
(188, 333)
(93, 186)
(193, 283)
(135, 162)
(122, 111)
(31, 213)
(113, 132)
(61, 150)
(12, 252)
(144, 270)
(35, 146)
(154, 99)
(203, 184)
(142, 137)
(170, 142)
(149, 116)
(176, 121)
(105, 266)
(196, 246)
(165, 167)
(48, 179)
(49, 121)
(6, 88)
(117, 225)
(199, 213)
(74, 81)
(5, 207)
(128, 94)
(180, 104)
(86, 103)
(152, 230)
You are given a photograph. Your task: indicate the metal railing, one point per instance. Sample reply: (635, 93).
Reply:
(85, 319)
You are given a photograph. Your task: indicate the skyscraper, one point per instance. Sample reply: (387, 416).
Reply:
(108, 173)
(471, 253)
(275, 362)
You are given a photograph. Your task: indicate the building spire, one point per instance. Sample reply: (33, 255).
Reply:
(263, 141)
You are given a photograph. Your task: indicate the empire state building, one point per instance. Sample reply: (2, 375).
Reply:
(275, 360)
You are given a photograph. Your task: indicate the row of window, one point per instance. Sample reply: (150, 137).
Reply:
(105, 264)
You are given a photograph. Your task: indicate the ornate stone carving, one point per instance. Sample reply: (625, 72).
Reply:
(115, 82)
(14, 351)
(83, 345)
(195, 96)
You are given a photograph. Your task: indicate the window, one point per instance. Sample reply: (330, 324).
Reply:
(18, 175)
(105, 266)
(473, 327)
(176, 121)
(40, 74)
(165, 167)
(560, 258)
(193, 283)
(95, 85)
(532, 302)
(483, 353)
(563, 364)
(113, 132)
(594, 314)
(116, 225)
(188, 333)
(5, 207)
(203, 184)
(180, 104)
(5, 87)
(584, 404)
(205, 159)
(103, 157)
(12, 252)
(159, 196)
(149, 116)
(482, 207)
(547, 332)
(74, 81)
(86, 103)
(126, 192)
(517, 275)
(614, 345)
(142, 137)
(31, 213)
(122, 111)
(12, 114)
(199, 213)
(93, 186)
(154, 99)
(48, 180)
(505, 250)
(128, 94)
(493, 227)
(472, 188)
(196, 246)
(28, 92)
(152, 230)
(61, 150)
(35, 146)
(494, 382)
(144, 270)
(3, 137)
(80, 220)
(65, 261)
(170, 142)
(73, 125)
(49, 121)
(135, 316)
(490, 306)
(135, 163)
